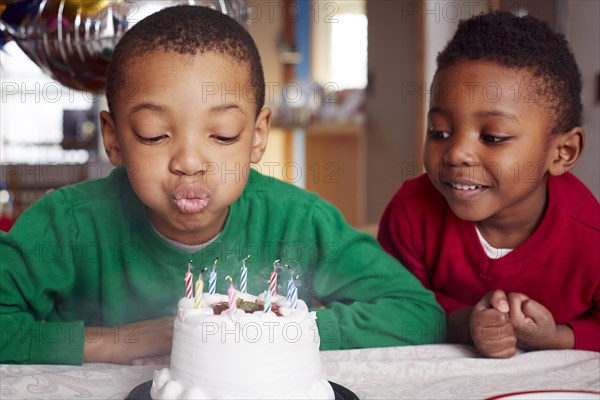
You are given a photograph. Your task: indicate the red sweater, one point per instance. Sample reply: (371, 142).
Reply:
(558, 265)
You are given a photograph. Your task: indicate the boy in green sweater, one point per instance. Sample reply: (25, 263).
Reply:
(93, 272)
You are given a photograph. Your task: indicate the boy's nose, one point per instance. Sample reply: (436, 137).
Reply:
(187, 160)
(460, 151)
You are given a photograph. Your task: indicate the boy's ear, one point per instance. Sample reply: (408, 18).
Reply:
(261, 134)
(566, 150)
(109, 138)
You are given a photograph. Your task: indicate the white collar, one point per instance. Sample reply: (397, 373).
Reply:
(491, 251)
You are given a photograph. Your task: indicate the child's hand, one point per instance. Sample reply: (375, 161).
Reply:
(144, 342)
(491, 328)
(535, 326)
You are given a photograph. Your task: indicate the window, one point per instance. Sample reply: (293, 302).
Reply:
(340, 44)
(31, 112)
(349, 51)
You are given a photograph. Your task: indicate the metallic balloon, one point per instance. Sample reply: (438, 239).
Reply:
(73, 40)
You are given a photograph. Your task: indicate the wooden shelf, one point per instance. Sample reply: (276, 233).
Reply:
(334, 165)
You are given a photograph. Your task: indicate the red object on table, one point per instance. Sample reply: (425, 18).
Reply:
(6, 223)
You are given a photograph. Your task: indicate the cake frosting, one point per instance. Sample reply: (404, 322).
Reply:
(243, 355)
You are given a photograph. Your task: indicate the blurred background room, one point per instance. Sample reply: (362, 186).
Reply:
(347, 79)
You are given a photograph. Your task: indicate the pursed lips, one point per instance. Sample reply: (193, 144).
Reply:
(190, 198)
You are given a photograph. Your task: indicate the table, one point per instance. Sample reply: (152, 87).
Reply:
(442, 371)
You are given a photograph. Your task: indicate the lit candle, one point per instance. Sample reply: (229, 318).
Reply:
(188, 281)
(273, 280)
(231, 296)
(212, 279)
(292, 290)
(199, 290)
(244, 276)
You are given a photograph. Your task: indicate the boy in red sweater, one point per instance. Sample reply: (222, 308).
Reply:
(498, 228)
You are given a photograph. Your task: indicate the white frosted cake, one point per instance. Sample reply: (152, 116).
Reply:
(243, 355)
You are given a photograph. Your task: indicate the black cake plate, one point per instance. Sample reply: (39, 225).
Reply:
(142, 392)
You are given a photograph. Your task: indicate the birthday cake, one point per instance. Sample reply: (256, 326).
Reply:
(244, 353)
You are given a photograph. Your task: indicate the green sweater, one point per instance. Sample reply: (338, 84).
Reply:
(86, 255)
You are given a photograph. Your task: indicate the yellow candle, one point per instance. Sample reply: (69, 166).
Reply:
(199, 290)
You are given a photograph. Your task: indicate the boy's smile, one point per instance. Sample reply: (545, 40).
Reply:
(488, 147)
(185, 127)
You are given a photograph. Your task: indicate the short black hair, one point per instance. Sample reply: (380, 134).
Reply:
(187, 30)
(523, 43)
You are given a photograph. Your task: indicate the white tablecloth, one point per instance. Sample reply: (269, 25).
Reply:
(415, 372)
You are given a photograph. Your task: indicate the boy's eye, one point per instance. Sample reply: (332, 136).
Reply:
(438, 134)
(226, 139)
(151, 140)
(493, 139)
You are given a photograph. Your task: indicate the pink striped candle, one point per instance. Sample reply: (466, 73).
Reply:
(231, 296)
(273, 280)
(188, 282)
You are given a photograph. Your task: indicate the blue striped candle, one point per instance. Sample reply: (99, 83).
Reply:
(212, 282)
(268, 302)
(244, 277)
(212, 279)
(292, 293)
